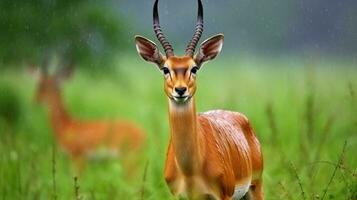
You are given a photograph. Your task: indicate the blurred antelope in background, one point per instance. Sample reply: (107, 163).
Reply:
(84, 139)
(213, 155)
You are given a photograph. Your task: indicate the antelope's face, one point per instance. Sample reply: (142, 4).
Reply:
(179, 71)
(49, 85)
(46, 86)
(180, 78)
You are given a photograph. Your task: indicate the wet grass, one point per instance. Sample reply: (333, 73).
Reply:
(305, 114)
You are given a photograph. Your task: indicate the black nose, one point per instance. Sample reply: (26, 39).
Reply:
(180, 90)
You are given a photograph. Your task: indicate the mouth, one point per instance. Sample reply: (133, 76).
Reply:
(180, 99)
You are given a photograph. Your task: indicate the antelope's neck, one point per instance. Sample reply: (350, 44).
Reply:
(184, 135)
(58, 113)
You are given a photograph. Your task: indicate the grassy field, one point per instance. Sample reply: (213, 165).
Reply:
(303, 111)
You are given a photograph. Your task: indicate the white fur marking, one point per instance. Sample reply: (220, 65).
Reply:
(220, 47)
(137, 48)
(240, 191)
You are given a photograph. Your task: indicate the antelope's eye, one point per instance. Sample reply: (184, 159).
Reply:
(194, 70)
(165, 70)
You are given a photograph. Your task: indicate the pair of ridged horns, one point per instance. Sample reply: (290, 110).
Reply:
(190, 49)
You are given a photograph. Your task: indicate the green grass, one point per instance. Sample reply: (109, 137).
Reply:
(302, 111)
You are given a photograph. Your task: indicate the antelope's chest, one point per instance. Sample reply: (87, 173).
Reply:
(196, 187)
(192, 187)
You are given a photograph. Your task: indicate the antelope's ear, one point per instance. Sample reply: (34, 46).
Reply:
(148, 50)
(209, 49)
(64, 73)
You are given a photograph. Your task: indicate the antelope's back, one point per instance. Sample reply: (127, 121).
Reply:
(86, 137)
(230, 134)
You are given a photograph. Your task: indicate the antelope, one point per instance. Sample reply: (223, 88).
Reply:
(84, 139)
(212, 155)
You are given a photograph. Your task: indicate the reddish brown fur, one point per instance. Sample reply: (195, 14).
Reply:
(80, 139)
(214, 155)
(219, 147)
(222, 157)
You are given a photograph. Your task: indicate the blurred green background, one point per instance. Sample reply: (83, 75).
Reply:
(289, 66)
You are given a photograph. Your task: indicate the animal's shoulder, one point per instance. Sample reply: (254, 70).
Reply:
(224, 116)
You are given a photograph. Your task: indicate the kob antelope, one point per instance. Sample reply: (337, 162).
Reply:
(213, 155)
(84, 139)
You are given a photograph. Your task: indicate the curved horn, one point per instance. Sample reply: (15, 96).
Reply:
(190, 49)
(159, 34)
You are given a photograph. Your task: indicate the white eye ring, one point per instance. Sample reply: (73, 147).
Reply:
(194, 70)
(165, 70)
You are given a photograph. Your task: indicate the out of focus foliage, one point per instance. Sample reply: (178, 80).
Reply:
(81, 32)
(10, 108)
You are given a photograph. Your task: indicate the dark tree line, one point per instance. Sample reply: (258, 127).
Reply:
(82, 32)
